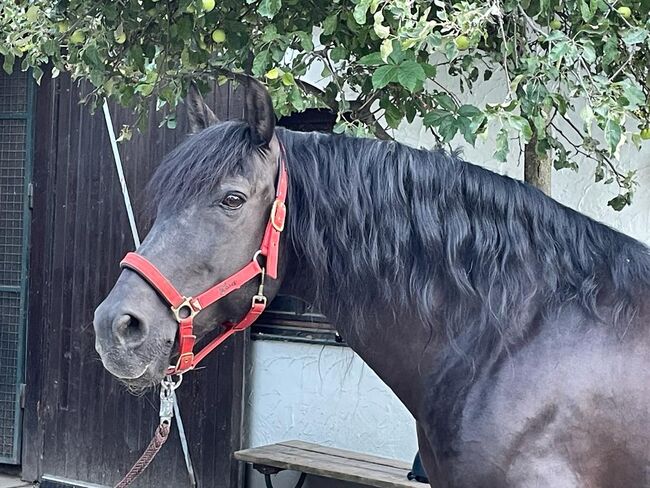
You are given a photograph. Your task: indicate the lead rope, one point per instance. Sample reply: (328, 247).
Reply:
(168, 401)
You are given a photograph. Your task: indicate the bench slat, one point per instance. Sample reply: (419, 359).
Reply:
(368, 458)
(332, 463)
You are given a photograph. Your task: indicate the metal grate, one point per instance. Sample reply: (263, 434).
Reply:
(13, 95)
(12, 189)
(15, 157)
(10, 319)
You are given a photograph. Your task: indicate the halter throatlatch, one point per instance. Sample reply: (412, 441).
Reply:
(184, 309)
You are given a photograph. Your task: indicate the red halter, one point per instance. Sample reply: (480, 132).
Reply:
(185, 309)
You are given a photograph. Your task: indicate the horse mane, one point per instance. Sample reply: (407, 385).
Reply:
(478, 256)
(474, 254)
(408, 220)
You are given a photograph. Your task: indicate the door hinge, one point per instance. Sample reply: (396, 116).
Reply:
(21, 394)
(30, 195)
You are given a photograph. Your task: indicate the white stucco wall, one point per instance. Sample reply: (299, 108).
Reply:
(327, 395)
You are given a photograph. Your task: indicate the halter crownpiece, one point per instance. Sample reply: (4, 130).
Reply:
(184, 309)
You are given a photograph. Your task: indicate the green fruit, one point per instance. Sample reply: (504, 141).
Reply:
(208, 5)
(462, 42)
(555, 24)
(62, 26)
(120, 38)
(77, 37)
(645, 133)
(218, 36)
(273, 73)
(624, 12)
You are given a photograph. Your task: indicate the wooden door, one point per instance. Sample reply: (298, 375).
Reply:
(80, 424)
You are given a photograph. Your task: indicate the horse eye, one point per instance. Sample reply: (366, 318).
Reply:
(232, 201)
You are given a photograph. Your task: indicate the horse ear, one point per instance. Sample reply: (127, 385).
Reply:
(259, 112)
(199, 114)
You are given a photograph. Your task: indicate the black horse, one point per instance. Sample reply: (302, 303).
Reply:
(514, 329)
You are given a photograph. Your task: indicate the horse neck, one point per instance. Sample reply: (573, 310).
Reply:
(325, 255)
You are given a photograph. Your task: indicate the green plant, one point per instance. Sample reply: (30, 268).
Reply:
(579, 63)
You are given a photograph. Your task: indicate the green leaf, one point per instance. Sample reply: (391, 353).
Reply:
(372, 59)
(635, 35)
(380, 29)
(8, 63)
(338, 53)
(588, 52)
(429, 70)
(270, 33)
(297, 99)
(586, 11)
(469, 111)
(384, 75)
(467, 130)
(633, 94)
(560, 50)
(260, 63)
(393, 115)
(521, 125)
(268, 8)
(410, 74)
(445, 101)
(386, 49)
(305, 41)
(287, 79)
(92, 57)
(619, 202)
(613, 134)
(33, 13)
(433, 118)
(361, 10)
(502, 146)
(329, 24)
(447, 128)
(610, 51)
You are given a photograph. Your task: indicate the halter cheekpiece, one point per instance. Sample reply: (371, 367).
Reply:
(184, 309)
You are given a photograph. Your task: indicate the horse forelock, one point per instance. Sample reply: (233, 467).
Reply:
(191, 171)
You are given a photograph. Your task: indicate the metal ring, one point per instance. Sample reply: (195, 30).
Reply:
(257, 254)
(169, 384)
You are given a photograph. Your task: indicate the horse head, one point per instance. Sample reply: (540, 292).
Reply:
(214, 195)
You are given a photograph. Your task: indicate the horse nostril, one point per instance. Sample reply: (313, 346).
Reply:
(130, 330)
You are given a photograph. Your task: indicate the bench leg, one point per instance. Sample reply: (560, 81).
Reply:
(301, 480)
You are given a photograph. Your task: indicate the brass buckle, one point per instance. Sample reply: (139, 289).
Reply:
(277, 203)
(261, 299)
(187, 304)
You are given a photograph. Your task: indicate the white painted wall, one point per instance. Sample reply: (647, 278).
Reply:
(327, 395)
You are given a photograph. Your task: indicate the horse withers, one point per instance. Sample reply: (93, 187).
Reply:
(514, 329)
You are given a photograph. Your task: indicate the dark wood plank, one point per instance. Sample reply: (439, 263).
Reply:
(81, 424)
(331, 463)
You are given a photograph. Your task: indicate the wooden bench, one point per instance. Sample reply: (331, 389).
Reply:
(328, 462)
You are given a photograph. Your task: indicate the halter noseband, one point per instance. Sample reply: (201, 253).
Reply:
(185, 309)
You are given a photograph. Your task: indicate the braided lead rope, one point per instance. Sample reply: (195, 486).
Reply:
(159, 439)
